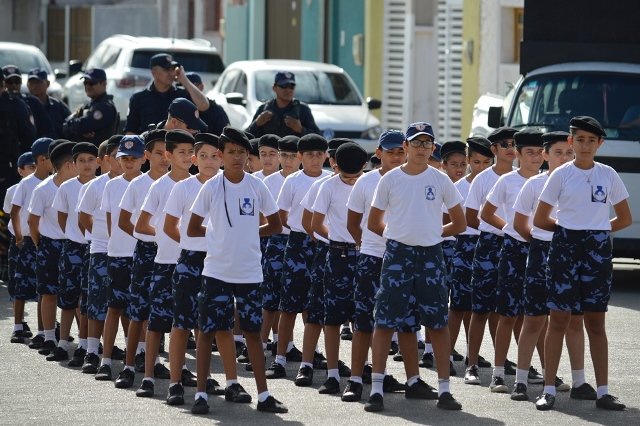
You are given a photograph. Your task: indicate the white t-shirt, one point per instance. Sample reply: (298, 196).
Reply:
(179, 205)
(90, 204)
(22, 198)
(478, 192)
(6, 207)
(120, 244)
(65, 201)
(413, 205)
(360, 202)
(83, 190)
(503, 195)
(310, 198)
(259, 174)
(168, 249)
(132, 201)
(463, 186)
(527, 202)
(42, 205)
(584, 205)
(274, 184)
(233, 252)
(293, 190)
(332, 202)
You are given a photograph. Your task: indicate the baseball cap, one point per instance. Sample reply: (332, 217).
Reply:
(185, 111)
(194, 77)
(284, 77)
(420, 128)
(163, 60)
(391, 139)
(9, 71)
(94, 74)
(40, 147)
(25, 158)
(436, 151)
(37, 74)
(131, 146)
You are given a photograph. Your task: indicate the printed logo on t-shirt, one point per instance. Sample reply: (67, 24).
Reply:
(430, 192)
(598, 194)
(246, 206)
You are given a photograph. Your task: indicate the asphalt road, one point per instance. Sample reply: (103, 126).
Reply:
(35, 391)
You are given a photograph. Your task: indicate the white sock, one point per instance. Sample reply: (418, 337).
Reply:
(202, 395)
(306, 364)
(158, 360)
(521, 376)
(394, 337)
(274, 338)
(602, 391)
(376, 383)
(232, 382)
(64, 344)
(450, 358)
(419, 336)
(130, 368)
(356, 379)
(549, 389)
(443, 386)
(333, 372)
(41, 333)
(237, 337)
(262, 396)
(428, 348)
(50, 335)
(412, 380)
(18, 327)
(92, 345)
(82, 343)
(282, 360)
(184, 367)
(126, 341)
(142, 346)
(290, 346)
(577, 378)
(499, 371)
(106, 361)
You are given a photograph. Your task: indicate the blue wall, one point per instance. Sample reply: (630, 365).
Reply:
(312, 31)
(346, 20)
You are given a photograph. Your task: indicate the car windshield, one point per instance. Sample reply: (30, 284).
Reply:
(191, 61)
(312, 87)
(550, 101)
(24, 60)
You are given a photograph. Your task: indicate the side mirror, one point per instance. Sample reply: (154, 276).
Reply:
(59, 74)
(495, 118)
(373, 103)
(75, 66)
(236, 99)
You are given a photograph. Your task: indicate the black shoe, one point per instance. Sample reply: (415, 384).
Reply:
(352, 392)
(420, 390)
(534, 377)
(457, 356)
(374, 403)
(319, 361)
(366, 374)
(18, 337)
(330, 386)
(249, 367)
(276, 371)
(427, 360)
(104, 373)
(161, 372)
(78, 358)
(398, 357)
(214, 348)
(26, 331)
(610, 402)
(188, 379)
(545, 402)
(244, 356)
(58, 354)
(125, 379)
(346, 334)
(520, 392)
(138, 362)
(390, 384)
(497, 385)
(272, 405)
(421, 344)
(145, 390)
(236, 393)
(482, 363)
(510, 368)
(452, 369)
(161, 348)
(36, 342)
(200, 406)
(343, 370)
(191, 341)
(47, 347)
(57, 331)
(213, 387)
(239, 348)
(394, 348)
(585, 392)
(100, 348)
(446, 401)
(304, 377)
(117, 354)
(175, 395)
(294, 355)
(273, 347)
(91, 363)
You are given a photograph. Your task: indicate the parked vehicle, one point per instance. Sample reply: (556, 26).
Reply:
(26, 57)
(337, 106)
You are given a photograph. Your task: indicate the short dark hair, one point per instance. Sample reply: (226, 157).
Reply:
(59, 162)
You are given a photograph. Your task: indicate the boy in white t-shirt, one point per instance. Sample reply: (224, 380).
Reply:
(413, 266)
(268, 154)
(233, 200)
(580, 255)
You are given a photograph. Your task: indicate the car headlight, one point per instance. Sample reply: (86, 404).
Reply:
(371, 133)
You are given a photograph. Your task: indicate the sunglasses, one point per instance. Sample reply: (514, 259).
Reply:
(13, 81)
(287, 86)
(505, 144)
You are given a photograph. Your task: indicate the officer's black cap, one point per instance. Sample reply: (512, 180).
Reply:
(551, 137)
(480, 145)
(207, 139)
(501, 133)
(588, 124)
(450, 147)
(312, 142)
(351, 157)
(288, 143)
(236, 136)
(529, 136)
(269, 140)
(84, 148)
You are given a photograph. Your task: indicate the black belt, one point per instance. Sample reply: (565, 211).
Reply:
(342, 245)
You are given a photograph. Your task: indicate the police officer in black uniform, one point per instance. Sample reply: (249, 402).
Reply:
(13, 83)
(215, 116)
(284, 115)
(57, 111)
(150, 105)
(97, 120)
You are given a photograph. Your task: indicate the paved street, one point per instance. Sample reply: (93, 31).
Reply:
(35, 391)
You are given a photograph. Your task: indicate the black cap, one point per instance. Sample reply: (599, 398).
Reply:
(61, 150)
(450, 147)
(269, 140)
(375, 160)
(163, 60)
(588, 124)
(55, 143)
(480, 145)
(551, 137)
(178, 136)
(113, 142)
(351, 157)
(312, 142)
(84, 148)
(288, 143)
(254, 147)
(207, 139)
(152, 136)
(529, 136)
(335, 143)
(501, 133)
(236, 136)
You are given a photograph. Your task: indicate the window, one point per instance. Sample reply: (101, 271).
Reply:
(212, 15)
(518, 28)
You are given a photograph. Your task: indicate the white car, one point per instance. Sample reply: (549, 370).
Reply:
(125, 60)
(337, 106)
(26, 57)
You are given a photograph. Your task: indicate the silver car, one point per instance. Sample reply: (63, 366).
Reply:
(26, 57)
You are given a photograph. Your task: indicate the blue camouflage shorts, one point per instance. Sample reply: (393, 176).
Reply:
(141, 273)
(511, 269)
(460, 276)
(25, 275)
(315, 298)
(339, 283)
(84, 289)
(216, 307)
(367, 285)
(272, 271)
(71, 265)
(484, 273)
(296, 273)
(47, 258)
(448, 250)
(412, 276)
(580, 270)
(12, 261)
(187, 281)
(536, 291)
(119, 271)
(161, 298)
(98, 281)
